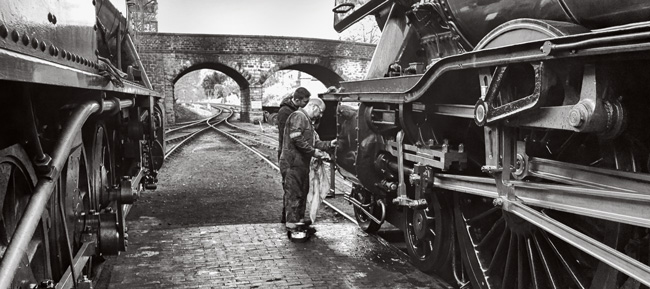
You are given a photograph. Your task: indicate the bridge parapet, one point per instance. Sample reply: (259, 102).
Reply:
(249, 60)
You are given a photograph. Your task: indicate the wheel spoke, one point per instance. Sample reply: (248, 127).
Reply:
(569, 266)
(532, 263)
(483, 216)
(16, 185)
(508, 276)
(523, 264)
(5, 173)
(499, 253)
(492, 234)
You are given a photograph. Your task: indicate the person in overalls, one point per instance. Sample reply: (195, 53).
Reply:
(296, 100)
(299, 146)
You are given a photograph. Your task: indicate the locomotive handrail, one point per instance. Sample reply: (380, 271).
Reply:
(46, 184)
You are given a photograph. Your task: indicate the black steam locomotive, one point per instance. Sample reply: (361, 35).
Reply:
(508, 140)
(81, 135)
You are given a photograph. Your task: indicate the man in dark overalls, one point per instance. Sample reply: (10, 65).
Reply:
(296, 100)
(300, 145)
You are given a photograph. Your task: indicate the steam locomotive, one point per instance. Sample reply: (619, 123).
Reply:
(81, 137)
(508, 140)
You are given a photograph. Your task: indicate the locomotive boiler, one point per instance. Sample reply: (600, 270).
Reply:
(80, 137)
(508, 140)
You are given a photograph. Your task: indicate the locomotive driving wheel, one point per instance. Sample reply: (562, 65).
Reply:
(102, 167)
(69, 203)
(502, 250)
(369, 202)
(17, 181)
(427, 234)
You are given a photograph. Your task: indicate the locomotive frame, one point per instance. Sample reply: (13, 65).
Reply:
(82, 136)
(516, 161)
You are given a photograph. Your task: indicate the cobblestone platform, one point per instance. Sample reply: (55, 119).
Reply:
(260, 256)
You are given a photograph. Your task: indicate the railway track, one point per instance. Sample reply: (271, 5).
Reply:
(180, 135)
(248, 138)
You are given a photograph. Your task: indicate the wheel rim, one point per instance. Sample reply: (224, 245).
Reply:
(504, 251)
(17, 180)
(369, 202)
(72, 192)
(427, 234)
(102, 169)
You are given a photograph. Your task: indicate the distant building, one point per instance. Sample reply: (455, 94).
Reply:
(143, 15)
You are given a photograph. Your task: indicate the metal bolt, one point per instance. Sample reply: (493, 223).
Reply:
(3, 31)
(577, 115)
(15, 36)
(25, 39)
(479, 114)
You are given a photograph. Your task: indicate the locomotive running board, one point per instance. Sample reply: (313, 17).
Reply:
(624, 207)
(607, 44)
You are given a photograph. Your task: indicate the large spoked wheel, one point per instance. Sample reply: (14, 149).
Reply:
(69, 203)
(17, 181)
(369, 202)
(428, 235)
(501, 250)
(101, 167)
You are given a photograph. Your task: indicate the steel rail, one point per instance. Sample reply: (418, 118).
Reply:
(249, 131)
(34, 210)
(275, 147)
(274, 166)
(352, 219)
(191, 123)
(256, 152)
(277, 168)
(189, 136)
(246, 130)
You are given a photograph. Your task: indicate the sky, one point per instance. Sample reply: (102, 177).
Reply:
(295, 18)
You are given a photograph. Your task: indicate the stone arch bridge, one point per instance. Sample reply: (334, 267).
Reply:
(249, 61)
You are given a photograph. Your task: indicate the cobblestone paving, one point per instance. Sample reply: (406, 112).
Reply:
(213, 223)
(261, 256)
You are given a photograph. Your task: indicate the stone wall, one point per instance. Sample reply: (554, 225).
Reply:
(249, 60)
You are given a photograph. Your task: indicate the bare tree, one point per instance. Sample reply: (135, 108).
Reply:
(366, 30)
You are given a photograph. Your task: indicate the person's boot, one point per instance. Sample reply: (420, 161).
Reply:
(297, 233)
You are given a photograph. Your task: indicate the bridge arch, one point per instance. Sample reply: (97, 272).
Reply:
(248, 60)
(324, 74)
(240, 77)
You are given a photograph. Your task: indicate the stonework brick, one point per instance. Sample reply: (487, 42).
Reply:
(248, 59)
(260, 255)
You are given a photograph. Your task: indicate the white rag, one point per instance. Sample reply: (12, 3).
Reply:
(319, 186)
